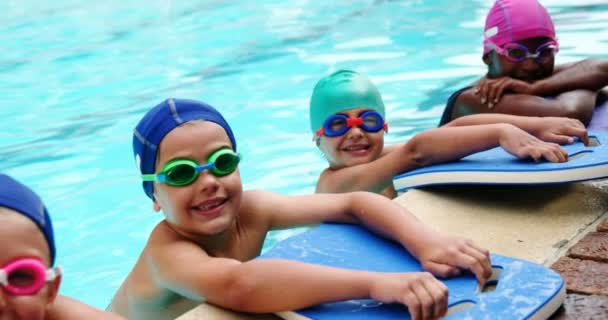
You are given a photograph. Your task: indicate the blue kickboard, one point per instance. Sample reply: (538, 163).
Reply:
(496, 166)
(524, 290)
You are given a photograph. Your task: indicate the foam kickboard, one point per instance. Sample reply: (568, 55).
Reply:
(496, 166)
(524, 290)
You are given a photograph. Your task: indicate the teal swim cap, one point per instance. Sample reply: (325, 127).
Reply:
(342, 90)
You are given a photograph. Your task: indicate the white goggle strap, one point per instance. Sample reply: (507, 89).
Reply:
(53, 273)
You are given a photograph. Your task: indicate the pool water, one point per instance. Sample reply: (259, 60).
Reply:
(76, 77)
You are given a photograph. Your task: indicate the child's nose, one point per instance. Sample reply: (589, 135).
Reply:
(355, 131)
(207, 182)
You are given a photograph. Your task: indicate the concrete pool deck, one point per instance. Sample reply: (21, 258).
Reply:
(562, 226)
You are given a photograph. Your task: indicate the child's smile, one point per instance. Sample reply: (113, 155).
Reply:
(210, 208)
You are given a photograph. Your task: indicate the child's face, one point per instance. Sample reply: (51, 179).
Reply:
(21, 238)
(210, 204)
(354, 147)
(529, 70)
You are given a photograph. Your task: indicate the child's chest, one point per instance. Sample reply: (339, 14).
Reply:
(246, 246)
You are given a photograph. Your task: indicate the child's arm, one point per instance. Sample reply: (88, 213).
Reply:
(552, 129)
(273, 285)
(588, 74)
(578, 104)
(436, 146)
(66, 308)
(441, 255)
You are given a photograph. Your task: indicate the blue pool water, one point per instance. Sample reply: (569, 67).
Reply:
(76, 76)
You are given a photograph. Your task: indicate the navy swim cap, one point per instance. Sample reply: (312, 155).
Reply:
(18, 197)
(159, 121)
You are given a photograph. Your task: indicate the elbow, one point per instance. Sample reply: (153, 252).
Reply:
(581, 113)
(415, 151)
(239, 293)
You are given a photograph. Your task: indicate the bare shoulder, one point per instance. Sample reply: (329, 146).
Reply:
(256, 206)
(140, 284)
(326, 182)
(467, 103)
(66, 308)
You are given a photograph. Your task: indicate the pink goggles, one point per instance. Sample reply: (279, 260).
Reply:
(517, 53)
(24, 277)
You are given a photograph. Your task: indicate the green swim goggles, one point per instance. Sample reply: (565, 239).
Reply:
(182, 172)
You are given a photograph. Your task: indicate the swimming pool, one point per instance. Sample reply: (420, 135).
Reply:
(76, 77)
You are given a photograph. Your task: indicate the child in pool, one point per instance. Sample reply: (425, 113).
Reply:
(519, 48)
(29, 283)
(347, 119)
(204, 249)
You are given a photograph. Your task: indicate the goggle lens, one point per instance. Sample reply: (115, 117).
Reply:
(339, 124)
(26, 276)
(182, 172)
(23, 277)
(516, 52)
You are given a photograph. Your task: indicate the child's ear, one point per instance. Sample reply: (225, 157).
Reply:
(486, 58)
(54, 288)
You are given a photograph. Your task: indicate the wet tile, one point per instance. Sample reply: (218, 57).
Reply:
(594, 246)
(583, 276)
(579, 306)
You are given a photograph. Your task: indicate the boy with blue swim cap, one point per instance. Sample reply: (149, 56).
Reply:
(347, 118)
(204, 248)
(30, 283)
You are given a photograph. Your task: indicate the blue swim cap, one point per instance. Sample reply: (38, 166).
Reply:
(159, 121)
(18, 197)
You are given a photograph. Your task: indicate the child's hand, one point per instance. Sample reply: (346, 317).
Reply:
(449, 255)
(424, 295)
(524, 145)
(561, 130)
(492, 90)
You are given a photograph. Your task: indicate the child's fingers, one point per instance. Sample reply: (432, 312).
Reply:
(535, 154)
(550, 155)
(581, 133)
(439, 292)
(426, 299)
(491, 95)
(499, 92)
(413, 304)
(560, 138)
(483, 92)
(483, 251)
(467, 262)
(482, 261)
(442, 270)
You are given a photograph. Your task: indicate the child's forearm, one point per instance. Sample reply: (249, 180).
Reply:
(526, 123)
(589, 74)
(391, 220)
(270, 285)
(452, 143)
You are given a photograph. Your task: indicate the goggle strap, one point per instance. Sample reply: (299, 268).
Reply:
(53, 273)
(148, 177)
(354, 122)
(205, 166)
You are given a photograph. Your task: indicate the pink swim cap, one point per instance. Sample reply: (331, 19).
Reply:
(513, 20)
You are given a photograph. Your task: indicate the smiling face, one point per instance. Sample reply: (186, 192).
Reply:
(354, 147)
(529, 70)
(210, 204)
(21, 238)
